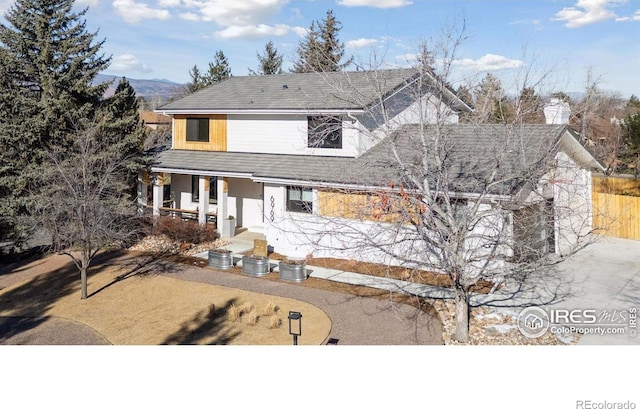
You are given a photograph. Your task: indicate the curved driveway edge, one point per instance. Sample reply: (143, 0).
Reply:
(47, 331)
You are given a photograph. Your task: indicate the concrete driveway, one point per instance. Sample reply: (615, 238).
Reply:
(601, 283)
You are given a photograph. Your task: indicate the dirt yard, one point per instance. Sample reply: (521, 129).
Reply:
(133, 304)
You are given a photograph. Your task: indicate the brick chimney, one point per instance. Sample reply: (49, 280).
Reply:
(557, 112)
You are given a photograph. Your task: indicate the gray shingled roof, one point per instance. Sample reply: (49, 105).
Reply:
(497, 159)
(472, 152)
(308, 91)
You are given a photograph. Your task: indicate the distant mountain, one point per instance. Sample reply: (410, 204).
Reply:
(155, 89)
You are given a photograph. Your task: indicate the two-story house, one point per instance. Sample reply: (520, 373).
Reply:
(266, 152)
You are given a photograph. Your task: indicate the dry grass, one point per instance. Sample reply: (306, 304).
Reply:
(274, 322)
(270, 309)
(245, 309)
(251, 319)
(233, 313)
(154, 309)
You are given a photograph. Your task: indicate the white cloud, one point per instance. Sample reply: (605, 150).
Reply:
(300, 31)
(488, 62)
(261, 30)
(361, 42)
(407, 59)
(237, 12)
(190, 16)
(634, 17)
(587, 12)
(90, 3)
(133, 12)
(169, 3)
(128, 63)
(381, 4)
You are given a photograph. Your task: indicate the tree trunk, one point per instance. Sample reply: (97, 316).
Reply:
(83, 277)
(461, 298)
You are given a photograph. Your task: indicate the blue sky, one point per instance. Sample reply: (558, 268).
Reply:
(568, 38)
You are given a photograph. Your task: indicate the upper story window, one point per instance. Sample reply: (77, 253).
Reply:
(198, 129)
(299, 199)
(325, 132)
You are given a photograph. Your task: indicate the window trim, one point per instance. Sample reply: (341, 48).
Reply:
(299, 206)
(202, 130)
(332, 125)
(213, 189)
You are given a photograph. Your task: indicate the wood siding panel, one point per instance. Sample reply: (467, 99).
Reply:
(616, 215)
(616, 206)
(217, 134)
(369, 206)
(627, 186)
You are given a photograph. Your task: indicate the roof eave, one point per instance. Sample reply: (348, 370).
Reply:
(314, 111)
(572, 146)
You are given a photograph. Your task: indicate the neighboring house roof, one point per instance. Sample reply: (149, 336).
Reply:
(471, 151)
(151, 118)
(341, 91)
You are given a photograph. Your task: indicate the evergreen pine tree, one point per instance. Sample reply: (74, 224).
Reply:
(490, 101)
(308, 51)
(123, 129)
(219, 70)
(197, 81)
(332, 50)
(270, 62)
(48, 61)
(321, 50)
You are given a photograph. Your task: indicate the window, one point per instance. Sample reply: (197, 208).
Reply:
(198, 129)
(299, 199)
(325, 132)
(195, 189)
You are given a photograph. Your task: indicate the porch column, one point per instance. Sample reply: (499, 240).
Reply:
(158, 191)
(203, 202)
(223, 208)
(143, 177)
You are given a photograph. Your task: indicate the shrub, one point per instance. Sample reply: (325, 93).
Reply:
(233, 314)
(245, 308)
(274, 322)
(270, 309)
(186, 231)
(252, 318)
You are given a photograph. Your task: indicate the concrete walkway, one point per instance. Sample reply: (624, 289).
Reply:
(601, 280)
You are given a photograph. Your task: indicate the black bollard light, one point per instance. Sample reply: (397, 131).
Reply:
(295, 325)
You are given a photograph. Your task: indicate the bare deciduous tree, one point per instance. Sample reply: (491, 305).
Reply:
(471, 201)
(82, 198)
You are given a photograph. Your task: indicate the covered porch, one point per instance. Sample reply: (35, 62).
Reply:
(229, 202)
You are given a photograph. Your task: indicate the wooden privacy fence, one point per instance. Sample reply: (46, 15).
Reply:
(616, 206)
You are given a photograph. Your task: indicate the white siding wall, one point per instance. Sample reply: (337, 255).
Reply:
(181, 191)
(287, 134)
(429, 110)
(300, 234)
(245, 203)
(572, 199)
(283, 134)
